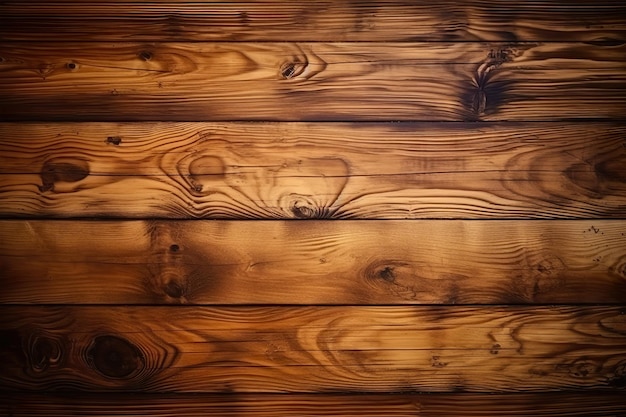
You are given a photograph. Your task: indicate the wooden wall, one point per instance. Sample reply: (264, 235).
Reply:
(272, 208)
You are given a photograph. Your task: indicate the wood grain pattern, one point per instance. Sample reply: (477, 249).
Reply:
(314, 262)
(313, 170)
(579, 404)
(313, 349)
(447, 20)
(312, 81)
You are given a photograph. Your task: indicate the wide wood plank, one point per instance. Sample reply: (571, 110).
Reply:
(313, 262)
(313, 170)
(578, 404)
(313, 349)
(311, 81)
(361, 20)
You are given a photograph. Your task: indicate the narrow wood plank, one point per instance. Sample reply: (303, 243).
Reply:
(313, 349)
(315, 262)
(364, 20)
(313, 170)
(556, 404)
(311, 81)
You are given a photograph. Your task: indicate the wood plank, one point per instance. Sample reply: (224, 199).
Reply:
(314, 262)
(313, 349)
(570, 404)
(312, 81)
(364, 20)
(313, 170)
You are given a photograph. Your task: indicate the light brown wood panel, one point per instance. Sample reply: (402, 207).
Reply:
(313, 349)
(311, 81)
(313, 262)
(336, 20)
(313, 170)
(571, 404)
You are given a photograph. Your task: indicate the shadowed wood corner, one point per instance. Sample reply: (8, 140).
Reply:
(322, 208)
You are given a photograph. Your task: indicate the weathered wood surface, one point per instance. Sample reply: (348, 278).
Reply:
(311, 81)
(336, 20)
(314, 262)
(313, 170)
(313, 349)
(578, 404)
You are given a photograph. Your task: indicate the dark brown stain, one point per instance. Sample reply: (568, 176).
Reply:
(62, 170)
(495, 348)
(387, 274)
(115, 357)
(435, 362)
(114, 140)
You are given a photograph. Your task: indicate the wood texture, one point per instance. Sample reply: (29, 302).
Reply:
(312, 81)
(313, 170)
(314, 262)
(475, 20)
(595, 404)
(313, 349)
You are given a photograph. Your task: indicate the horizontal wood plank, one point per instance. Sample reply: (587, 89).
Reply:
(313, 349)
(336, 20)
(313, 262)
(313, 170)
(578, 404)
(311, 81)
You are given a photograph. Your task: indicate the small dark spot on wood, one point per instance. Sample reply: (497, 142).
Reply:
(114, 92)
(495, 349)
(288, 70)
(594, 229)
(292, 69)
(174, 248)
(114, 357)
(1, 60)
(114, 140)
(436, 363)
(387, 274)
(71, 66)
(145, 55)
(244, 18)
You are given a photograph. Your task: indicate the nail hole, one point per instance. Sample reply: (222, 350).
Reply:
(174, 248)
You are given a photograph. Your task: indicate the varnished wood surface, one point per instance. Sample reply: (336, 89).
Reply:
(336, 20)
(313, 262)
(311, 81)
(578, 404)
(313, 170)
(313, 349)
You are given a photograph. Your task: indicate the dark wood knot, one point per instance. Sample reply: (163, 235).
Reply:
(292, 69)
(145, 55)
(44, 352)
(114, 140)
(62, 170)
(114, 357)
